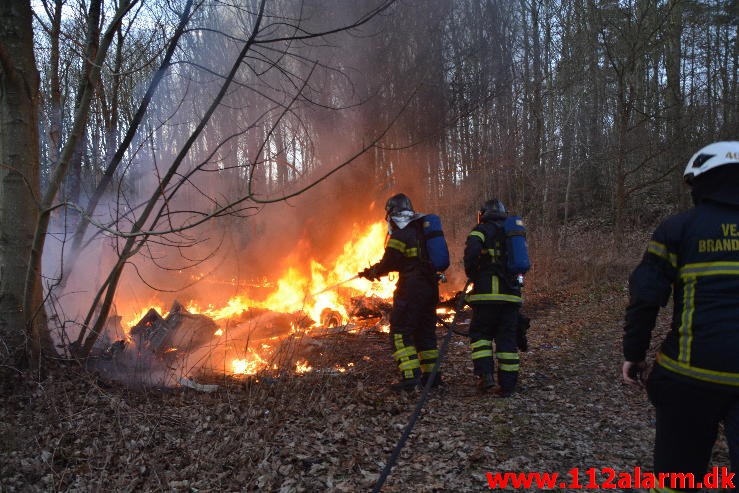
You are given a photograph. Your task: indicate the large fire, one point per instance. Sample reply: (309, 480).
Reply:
(311, 292)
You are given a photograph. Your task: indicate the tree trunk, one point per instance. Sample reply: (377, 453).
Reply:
(55, 89)
(674, 97)
(619, 174)
(19, 183)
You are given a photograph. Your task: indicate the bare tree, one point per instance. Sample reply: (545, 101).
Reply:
(267, 50)
(19, 180)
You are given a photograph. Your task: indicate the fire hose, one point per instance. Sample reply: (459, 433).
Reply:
(460, 302)
(334, 286)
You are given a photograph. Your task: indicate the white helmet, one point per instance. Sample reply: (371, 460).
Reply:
(711, 157)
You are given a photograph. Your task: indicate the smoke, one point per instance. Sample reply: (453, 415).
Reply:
(296, 111)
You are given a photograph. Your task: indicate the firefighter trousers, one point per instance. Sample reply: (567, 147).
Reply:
(495, 323)
(413, 326)
(688, 418)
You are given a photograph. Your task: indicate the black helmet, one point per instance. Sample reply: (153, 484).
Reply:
(398, 203)
(492, 209)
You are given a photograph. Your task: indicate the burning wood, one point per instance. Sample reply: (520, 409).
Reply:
(260, 323)
(182, 332)
(330, 318)
(182, 343)
(369, 307)
(179, 331)
(247, 332)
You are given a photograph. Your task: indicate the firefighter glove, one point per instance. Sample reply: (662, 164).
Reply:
(369, 273)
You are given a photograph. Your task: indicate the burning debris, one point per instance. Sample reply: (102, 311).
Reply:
(330, 318)
(180, 341)
(369, 307)
(261, 323)
(179, 331)
(248, 336)
(185, 332)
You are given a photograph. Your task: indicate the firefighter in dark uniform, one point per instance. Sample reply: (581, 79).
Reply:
(495, 300)
(413, 317)
(694, 383)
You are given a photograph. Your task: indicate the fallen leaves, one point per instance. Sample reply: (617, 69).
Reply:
(321, 432)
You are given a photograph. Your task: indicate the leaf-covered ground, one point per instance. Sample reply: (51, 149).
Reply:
(332, 431)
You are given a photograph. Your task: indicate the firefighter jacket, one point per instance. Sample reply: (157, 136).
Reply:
(694, 255)
(484, 264)
(405, 254)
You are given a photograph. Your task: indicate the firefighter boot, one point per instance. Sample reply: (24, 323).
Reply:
(501, 392)
(408, 384)
(486, 382)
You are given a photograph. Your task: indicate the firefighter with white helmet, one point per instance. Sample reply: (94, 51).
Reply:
(694, 383)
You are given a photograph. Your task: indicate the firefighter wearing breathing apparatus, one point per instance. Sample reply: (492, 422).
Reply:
(694, 383)
(413, 316)
(495, 300)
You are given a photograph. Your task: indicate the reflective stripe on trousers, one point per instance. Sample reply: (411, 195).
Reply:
(428, 360)
(482, 356)
(406, 356)
(508, 361)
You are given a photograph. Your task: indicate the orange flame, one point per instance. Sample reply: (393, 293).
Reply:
(302, 367)
(295, 291)
(247, 367)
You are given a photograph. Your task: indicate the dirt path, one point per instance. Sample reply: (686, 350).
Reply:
(572, 411)
(330, 430)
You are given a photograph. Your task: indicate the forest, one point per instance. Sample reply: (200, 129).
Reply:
(217, 170)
